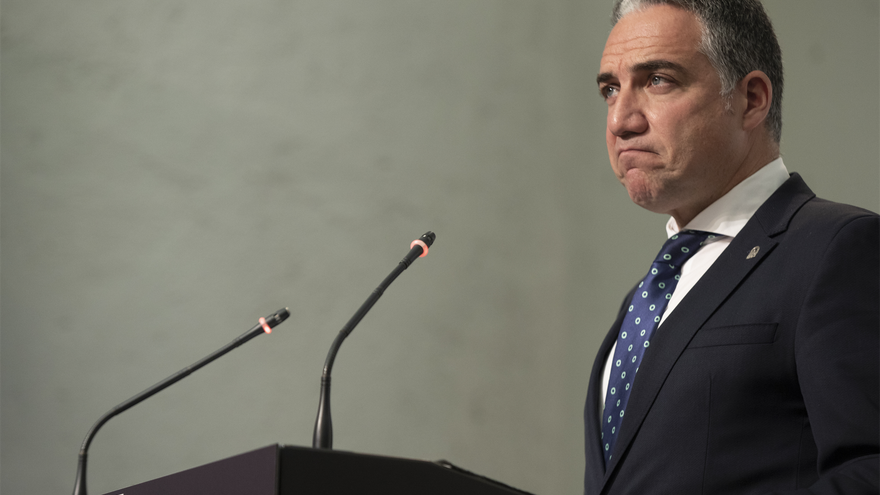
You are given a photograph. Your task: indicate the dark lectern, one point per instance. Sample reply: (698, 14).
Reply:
(285, 470)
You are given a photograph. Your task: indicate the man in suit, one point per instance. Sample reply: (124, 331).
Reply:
(748, 359)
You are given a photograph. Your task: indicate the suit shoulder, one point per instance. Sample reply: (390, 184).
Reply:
(836, 209)
(822, 213)
(827, 228)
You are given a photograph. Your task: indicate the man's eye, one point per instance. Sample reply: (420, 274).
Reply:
(658, 80)
(607, 91)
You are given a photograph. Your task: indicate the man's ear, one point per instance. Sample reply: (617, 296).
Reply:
(758, 93)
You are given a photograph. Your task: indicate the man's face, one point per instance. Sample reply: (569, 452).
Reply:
(671, 141)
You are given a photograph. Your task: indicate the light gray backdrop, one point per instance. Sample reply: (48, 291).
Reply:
(171, 171)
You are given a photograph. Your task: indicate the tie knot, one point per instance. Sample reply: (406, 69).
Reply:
(680, 247)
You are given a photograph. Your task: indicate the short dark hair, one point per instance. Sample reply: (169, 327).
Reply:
(737, 37)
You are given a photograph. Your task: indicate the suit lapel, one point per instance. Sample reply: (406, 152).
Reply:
(732, 267)
(595, 459)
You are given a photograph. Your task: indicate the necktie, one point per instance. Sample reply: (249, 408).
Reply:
(647, 306)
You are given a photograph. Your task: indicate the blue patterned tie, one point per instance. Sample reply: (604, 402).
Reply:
(647, 306)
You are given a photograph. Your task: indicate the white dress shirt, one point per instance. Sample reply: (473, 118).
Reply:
(726, 216)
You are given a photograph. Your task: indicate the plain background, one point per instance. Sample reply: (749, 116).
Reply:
(172, 171)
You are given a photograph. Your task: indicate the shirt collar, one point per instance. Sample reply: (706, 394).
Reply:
(729, 214)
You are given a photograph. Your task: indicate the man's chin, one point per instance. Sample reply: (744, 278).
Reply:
(638, 188)
(645, 198)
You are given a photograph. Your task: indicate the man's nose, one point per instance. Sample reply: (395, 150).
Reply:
(626, 115)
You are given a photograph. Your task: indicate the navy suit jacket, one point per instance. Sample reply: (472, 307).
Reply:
(765, 378)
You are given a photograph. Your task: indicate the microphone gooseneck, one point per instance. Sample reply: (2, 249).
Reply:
(322, 437)
(265, 325)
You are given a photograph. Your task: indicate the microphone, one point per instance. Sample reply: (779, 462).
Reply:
(264, 325)
(322, 437)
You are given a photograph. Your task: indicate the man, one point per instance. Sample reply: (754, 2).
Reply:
(747, 360)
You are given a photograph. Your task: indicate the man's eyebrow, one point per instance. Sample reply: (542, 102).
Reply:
(652, 65)
(649, 66)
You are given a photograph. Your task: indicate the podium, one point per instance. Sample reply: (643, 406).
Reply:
(288, 470)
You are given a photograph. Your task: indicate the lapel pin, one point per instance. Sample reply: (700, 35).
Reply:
(753, 252)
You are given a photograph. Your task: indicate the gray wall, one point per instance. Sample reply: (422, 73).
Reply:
(171, 171)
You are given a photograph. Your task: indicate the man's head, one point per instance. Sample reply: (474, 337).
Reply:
(680, 133)
(738, 38)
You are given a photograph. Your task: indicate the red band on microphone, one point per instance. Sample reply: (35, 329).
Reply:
(266, 327)
(420, 243)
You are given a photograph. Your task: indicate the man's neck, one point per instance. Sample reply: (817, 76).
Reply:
(731, 212)
(759, 155)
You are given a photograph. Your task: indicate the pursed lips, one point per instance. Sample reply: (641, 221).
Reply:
(635, 149)
(636, 157)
